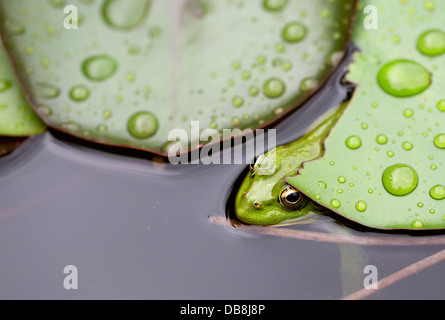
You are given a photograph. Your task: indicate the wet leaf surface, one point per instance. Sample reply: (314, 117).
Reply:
(135, 70)
(384, 161)
(16, 116)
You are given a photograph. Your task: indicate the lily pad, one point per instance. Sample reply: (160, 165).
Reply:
(133, 70)
(17, 119)
(384, 162)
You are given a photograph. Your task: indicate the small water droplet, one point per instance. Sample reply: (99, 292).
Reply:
(4, 85)
(274, 88)
(404, 78)
(354, 142)
(341, 179)
(44, 110)
(407, 146)
(438, 192)
(71, 126)
(57, 3)
(14, 26)
(254, 91)
(382, 139)
(246, 74)
(155, 32)
(432, 42)
(142, 125)
(79, 93)
(400, 179)
(308, 84)
(294, 32)
(322, 184)
(99, 68)
(361, 206)
(335, 203)
(125, 14)
(238, 102)
(439, 141)
(417, 224)
(236, 65)
(102, 128)
(441, 105)
(47, 90)
(408, 113)
(106, 114)
(235, 121)
(274, 5)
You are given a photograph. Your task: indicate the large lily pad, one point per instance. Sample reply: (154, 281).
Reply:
(384, 162)
(136, 69)
(17, 119)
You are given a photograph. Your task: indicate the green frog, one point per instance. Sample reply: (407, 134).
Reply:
(264, 198)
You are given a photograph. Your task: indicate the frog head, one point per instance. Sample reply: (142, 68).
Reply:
(264, 197)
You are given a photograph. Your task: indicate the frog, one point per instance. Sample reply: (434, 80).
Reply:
(264, 197)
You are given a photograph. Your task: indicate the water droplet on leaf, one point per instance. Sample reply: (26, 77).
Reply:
(400, 179)
(404, 78)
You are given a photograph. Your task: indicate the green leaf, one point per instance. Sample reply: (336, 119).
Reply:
(384, 161)
(136, 69)
(16, 116)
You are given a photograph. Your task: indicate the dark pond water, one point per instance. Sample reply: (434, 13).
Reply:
(138, 230)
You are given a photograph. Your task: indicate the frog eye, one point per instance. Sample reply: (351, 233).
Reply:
(292, 199)
(253, 166)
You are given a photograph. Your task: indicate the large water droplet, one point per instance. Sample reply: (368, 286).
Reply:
(125, 14)
(99, 68)
(142, 125)
(404, 78)
(274, 88)
(294, 32)
(432, 42)
(274, 5)
(400, 179)
(438, 192)
(439, 141)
